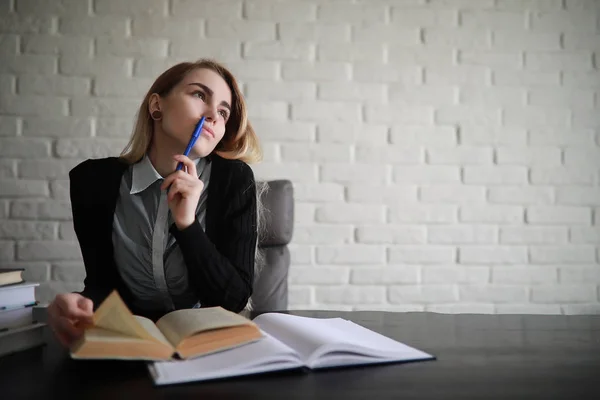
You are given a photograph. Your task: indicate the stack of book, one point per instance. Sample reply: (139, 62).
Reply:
(18, 328)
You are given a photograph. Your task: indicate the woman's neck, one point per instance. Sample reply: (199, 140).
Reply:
(161, 155)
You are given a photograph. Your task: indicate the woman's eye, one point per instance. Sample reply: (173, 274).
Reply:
(199, 95)
(223, 113)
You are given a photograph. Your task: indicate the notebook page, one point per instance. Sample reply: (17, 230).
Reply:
(267, 354)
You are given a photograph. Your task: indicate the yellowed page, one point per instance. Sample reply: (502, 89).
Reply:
(113, 315)
(178, 325)
(152, 329)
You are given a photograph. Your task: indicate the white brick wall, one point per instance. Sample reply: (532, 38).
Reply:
(445, 153)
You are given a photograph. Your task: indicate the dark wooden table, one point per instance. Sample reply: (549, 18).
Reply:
(479, 357)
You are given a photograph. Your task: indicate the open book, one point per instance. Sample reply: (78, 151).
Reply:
(118, 334)
(291, 342)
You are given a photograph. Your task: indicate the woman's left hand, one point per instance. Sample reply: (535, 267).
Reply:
(184, 192)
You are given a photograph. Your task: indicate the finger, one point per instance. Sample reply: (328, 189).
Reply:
(65, 326)
(169, 179)
(187, 163)
(70, 309)
(86, 305)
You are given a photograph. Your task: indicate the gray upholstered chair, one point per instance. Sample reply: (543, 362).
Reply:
(271, 281)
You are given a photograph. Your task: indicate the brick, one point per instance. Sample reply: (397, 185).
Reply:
(389, 154)
(271, 152)
(469, 115)
(449, 194)
(426, 174)
(423, 96)
(525, 78)
(576, 98)
(152, 67)
(23, 188)
(402, 75)
(315, 33)
(381, 194)
(503, 61)
(533, 5)
(579, 196)
(301, 254)
(493, 293)
(430, 214)
(425, 17)
(53, 7)
(132, 7)
(12, 229)
(351, 52)
(350, 213)
(559, 215)
(477, 234)
(315, 153)
(461, 75)
(354, 13)
(493, 96)
(508, 41)
(498, 254)
(372, 93)
(426, 254)
(131, 47)
(7, 251)
(323, 234)
(68, 271)
(48, 169)
(340, 132)
(328, 111)
(28, 64)
(25, 105)
(44, 250)
(289, 91)
(318, 192)
(580, 309)
(561, 137)
(350, 295)
(251, 70)
(129, 87)
(41, 210)
(66, 231)
(304, 213)
(8, 168)
(273, 110)
(434, 274)
(463, 4)
(7, 85)
(319, 276)
(4, 209)
(521, 195)
(579, 274)
(533, 235)
(401, 56)
(362, 254)
(588, 235)
(566, 21)
(495, 175)
(104, 106)
(57, 127)
(494, 19)
(499, 214)
(108, 25)
(276, 50)
(397, 114)
(561, 176)
(15, 23)
(224, 50)
(583, 80)
(462, 308)
(295, 171)
(563, 293)
(352, 173)
(284, 131)
(280, 11)
(53, 85)
(585, 118)
(378, 234)
(541, 156)
(87, 148)
(423, 135)
(422, 294)
(207, 9)
(240, 29)
(540, 309)
(318, 71)
(24, 148)
(94, 66)
(583, 157)
(9, 45)
(387, 275)
(461, 38)
(46, 44)
(397, 34)
(300, 295)
(461, 155)
(161, 27)
(495, 136)
(562, 254)
(575, 61)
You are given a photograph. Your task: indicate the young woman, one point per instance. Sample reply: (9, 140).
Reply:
(167, 239)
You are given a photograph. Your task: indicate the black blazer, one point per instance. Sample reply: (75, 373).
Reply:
(220, 261)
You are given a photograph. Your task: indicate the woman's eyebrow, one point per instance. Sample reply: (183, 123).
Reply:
(210, 93)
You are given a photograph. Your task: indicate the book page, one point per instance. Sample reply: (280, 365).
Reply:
(113, 315)
(152, 329)
(180, 324)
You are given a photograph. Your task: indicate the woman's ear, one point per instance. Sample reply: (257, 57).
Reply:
(154, 103)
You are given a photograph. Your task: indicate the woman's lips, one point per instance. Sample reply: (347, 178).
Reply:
(209, 131)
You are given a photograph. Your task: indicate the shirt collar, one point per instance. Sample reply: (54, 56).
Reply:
(144, 174)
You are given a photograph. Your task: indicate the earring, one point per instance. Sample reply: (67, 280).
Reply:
(156, 115)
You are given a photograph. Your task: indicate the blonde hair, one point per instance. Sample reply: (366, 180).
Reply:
(239, 142)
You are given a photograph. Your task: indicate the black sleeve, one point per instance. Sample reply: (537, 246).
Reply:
(222, 272)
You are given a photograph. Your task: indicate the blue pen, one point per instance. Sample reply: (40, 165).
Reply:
(195, 137)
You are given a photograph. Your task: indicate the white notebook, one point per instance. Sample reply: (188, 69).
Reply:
(291, 342)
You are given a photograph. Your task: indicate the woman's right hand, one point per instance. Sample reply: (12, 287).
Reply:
(68, 315)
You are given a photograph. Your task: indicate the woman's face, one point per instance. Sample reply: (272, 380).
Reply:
(202, 93)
